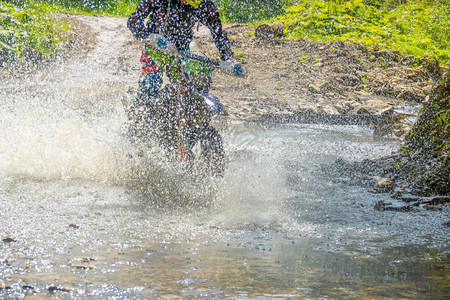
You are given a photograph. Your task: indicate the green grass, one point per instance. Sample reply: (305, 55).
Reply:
(33, 30)
(414, 27)
(28, 36)
(243, 11)
(87, 7)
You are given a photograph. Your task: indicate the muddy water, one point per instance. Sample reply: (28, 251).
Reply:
(83, 215)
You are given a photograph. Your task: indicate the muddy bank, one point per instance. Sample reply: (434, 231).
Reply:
(422, 168)
(337, 79)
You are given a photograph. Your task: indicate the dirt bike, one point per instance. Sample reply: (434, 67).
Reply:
(179, 117)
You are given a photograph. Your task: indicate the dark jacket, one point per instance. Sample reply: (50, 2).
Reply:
(175, 20)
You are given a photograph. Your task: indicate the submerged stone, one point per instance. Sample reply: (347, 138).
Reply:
(384, 185)
(9, 240)
(4, 285)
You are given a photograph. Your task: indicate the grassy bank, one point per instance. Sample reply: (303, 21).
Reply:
(431, 134)
(414, 27)
(251, 10)
(28, 36)
(427, 147)
(86, 7)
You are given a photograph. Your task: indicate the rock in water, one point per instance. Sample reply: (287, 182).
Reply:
(9, 240)
(384, 185)
(4, 285)
(380, 205)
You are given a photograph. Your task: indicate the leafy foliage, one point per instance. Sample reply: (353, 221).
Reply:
(97, 7)
(414, 27)
(417, 27)
(29, 36)
(243, 11)
(431, 133)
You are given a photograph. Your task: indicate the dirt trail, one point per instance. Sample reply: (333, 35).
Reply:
(331, 82)
(100, 62)
(108, 50)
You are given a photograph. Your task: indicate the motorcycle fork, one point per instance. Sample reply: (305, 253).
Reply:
(183, 137)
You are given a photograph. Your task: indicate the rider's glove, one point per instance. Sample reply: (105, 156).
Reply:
(161, 43)
(231, 60)
(232, 67)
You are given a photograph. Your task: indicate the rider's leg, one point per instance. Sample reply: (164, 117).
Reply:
(144, 104)
(150, 80)
(160, 111)
(163, 62)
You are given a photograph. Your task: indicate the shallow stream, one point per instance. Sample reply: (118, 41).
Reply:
(274, 227)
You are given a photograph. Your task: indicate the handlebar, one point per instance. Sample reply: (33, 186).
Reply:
(160, 43)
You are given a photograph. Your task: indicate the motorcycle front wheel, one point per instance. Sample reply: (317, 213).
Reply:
(205, 150)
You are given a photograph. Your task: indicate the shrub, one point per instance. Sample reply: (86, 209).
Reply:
(27, 36)
(242, 11)
(416, 27)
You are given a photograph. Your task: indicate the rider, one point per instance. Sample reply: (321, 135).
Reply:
(174, 19)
